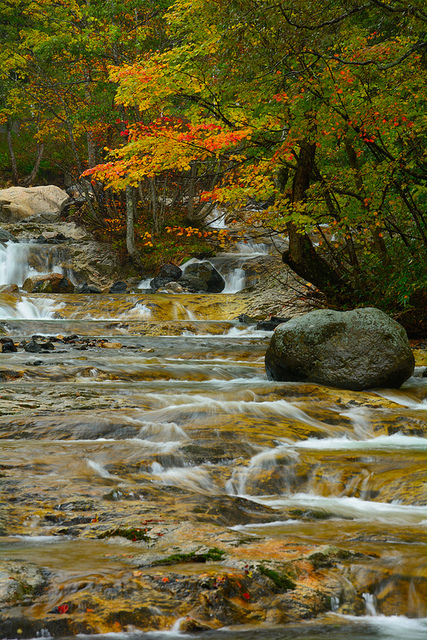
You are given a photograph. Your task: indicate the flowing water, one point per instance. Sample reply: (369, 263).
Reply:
(154, 412)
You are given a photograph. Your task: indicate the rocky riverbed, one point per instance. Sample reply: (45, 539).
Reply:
(154, 479)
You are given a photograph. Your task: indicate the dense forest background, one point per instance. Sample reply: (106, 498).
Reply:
(160, 109)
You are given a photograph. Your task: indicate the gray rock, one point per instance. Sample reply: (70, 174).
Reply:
(203, 277)
(359, 349)
(118, 287)
(86, 288)
(6, 236)
(168, 273)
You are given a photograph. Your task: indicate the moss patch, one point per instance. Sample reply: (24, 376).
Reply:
(131, 533)
(212, 555)
(281, 580)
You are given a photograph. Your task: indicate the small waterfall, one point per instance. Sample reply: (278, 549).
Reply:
(272, 468)
(370, 604)
(233, 266)
(14, 268)
(31, 308)
(21, 260)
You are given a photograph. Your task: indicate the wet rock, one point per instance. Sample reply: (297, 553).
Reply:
(9, 288)
(86, 288)
(9, 374)
(329, 555)
(111, 345)
(245, 319)
(40, 240)
(168, 273)
(7, 345)
(58, 238)
(6, 236)
(118, 287)
(20, 582)
(227, 510)
(271, 323)
(202, 276)
(356, 350)
(51, 283)
(158, 282)
(191, 625)
(32, 347)
(47, 346)
(172, 287)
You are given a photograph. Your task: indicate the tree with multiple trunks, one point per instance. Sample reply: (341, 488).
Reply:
(316, 108)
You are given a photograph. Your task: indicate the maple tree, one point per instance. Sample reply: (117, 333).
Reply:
(318, 109)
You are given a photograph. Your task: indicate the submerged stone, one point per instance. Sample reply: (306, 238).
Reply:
(356, 350)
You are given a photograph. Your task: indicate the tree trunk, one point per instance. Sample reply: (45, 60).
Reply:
(301, 255)
(130, 227)
(154, 205)
(15, 176)
(28, 181)
(191, 191)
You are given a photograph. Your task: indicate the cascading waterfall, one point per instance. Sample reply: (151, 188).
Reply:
(15, 266)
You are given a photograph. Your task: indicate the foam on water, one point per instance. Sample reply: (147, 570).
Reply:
(191, 478)
(402, 399)
(394, 442)
(350, 507)
(265, 525)
(393, 627)
(251, 248)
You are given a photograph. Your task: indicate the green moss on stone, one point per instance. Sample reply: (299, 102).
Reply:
(281, 580)
(212, 555)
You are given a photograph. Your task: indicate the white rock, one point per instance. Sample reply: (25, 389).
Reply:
(17, 203)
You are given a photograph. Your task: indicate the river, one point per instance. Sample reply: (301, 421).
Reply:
(148, 428)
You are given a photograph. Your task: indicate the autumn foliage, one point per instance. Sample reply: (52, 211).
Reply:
(318, 111)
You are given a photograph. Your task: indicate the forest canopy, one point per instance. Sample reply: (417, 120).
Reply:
(317, 109)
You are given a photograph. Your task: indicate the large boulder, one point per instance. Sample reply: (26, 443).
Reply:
(359, 349)
(18, 203)
(168, 273)
(202, 276)
(50, 283)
